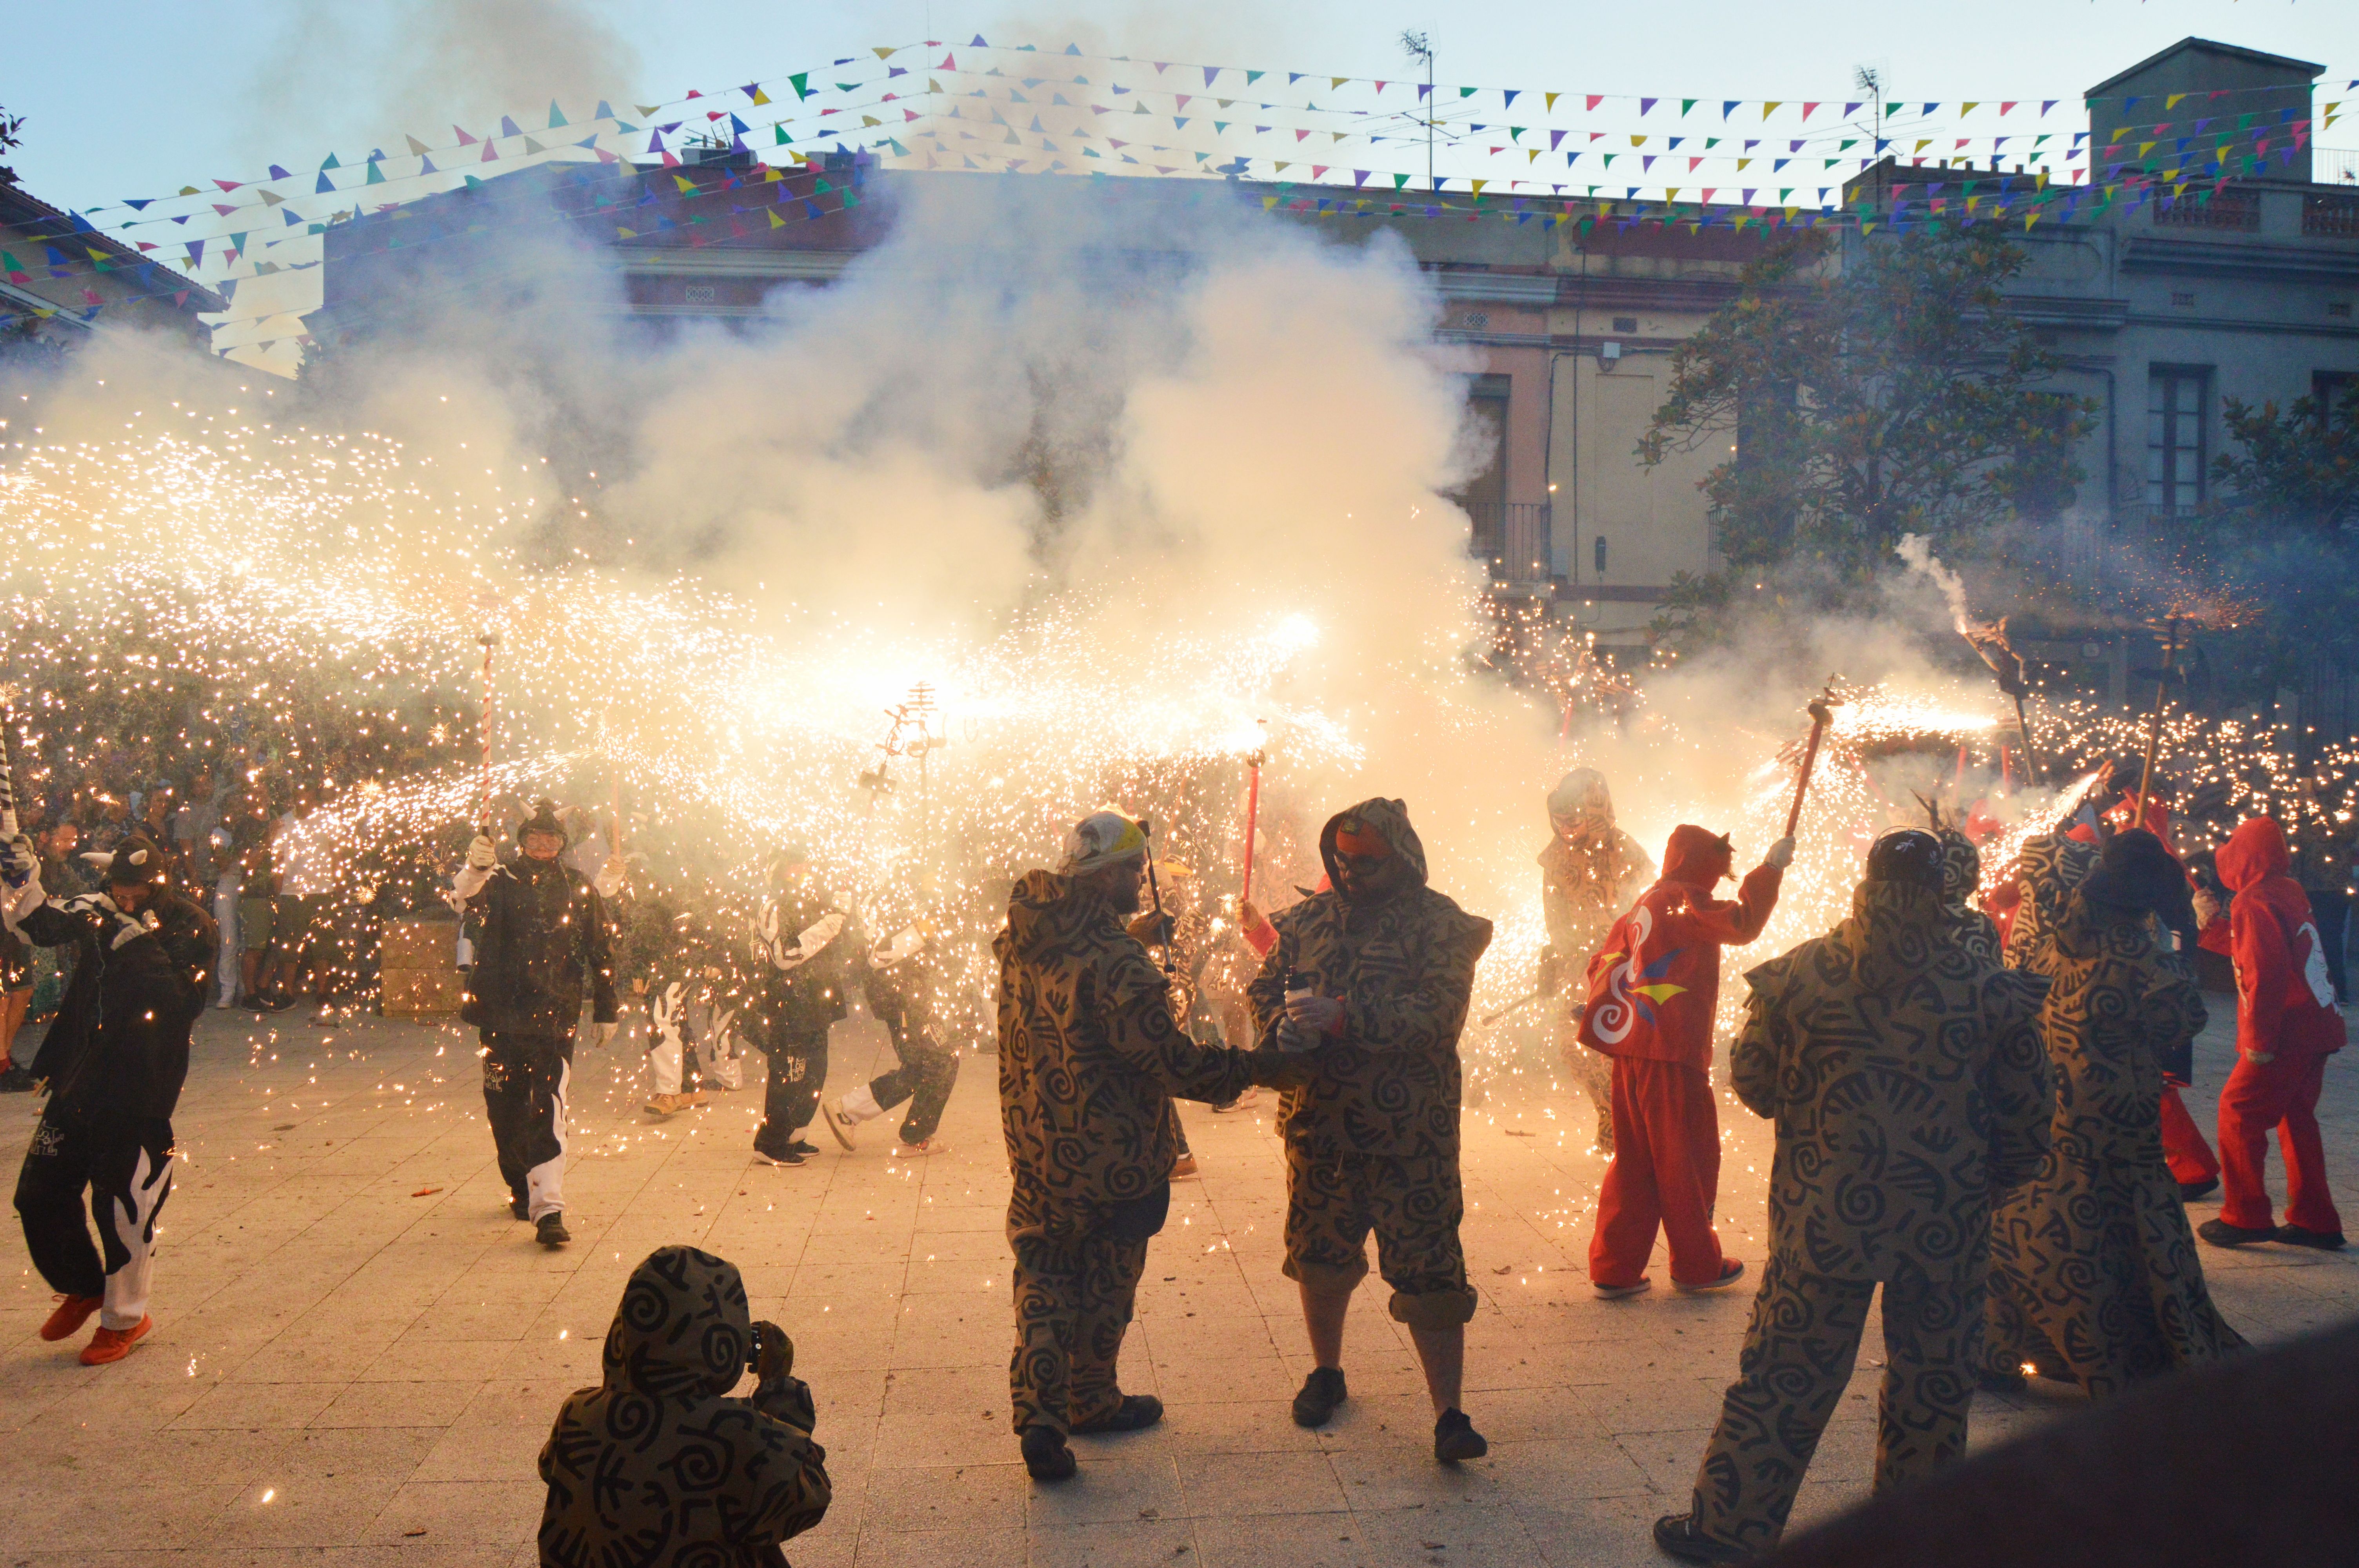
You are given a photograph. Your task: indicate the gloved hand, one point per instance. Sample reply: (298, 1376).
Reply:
(18, 862)
(602, 1033)
(1780, 855)
(1275, 1069)
(609, 880)
(483, 854)
(2207, 908)
(777, 1356)
(1318, 1016)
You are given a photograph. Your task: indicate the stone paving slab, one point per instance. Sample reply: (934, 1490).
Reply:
(358, 1353)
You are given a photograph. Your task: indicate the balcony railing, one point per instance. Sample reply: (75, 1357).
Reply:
(1512, 537)
(2238, 210)
(2332, 213)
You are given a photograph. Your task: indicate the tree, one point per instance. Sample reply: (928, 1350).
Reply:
(12, 135)
(1896, 394)
(2298, 470)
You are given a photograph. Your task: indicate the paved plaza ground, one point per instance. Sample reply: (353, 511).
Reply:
(358, 1353)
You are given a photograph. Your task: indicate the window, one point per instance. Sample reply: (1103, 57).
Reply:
(699, 293)
(2184, 301)
(2331, 390)
(2175, 396)
(1625, 323)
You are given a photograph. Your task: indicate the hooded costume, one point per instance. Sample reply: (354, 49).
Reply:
(2286, 1025)
(2093, 1272)
(544, 945)
(1906, 1082)
(1590, 870)
(806, 947)
(1372, 1141)
(1961, 876)
(116, 1058)
(901, 985)
(1089, 1062)
(657, 1467)
(1653, 989)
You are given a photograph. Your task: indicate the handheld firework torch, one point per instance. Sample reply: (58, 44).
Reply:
(10, 872)
(1253, 818)
(1147, 831)
(2169, 637)
(1996, 652)
(1822, 713)
(491, 642)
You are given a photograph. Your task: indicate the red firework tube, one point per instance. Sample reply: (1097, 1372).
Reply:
(1820, 714)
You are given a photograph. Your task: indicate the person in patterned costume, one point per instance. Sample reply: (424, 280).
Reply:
(2093, 1274)
(658, 1466)
(1908, 1084)
(1379, 967)
(1962, 876)
(1089, 1061)
(1590, 871)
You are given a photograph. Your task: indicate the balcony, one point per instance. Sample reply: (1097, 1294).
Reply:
(1511, 538)
(2238, 211)
(2331, 214)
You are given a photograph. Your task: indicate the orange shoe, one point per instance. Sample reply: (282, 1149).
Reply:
(71, 1313)
(114, 1343)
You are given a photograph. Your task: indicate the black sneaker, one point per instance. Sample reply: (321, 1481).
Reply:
(17, 1080)
(551, 1231)
(1136, 1412)
(519, 1209)
(2220, 1233)
(2324, 1240)
(780, 1153)
(1678, 1535)
(1321, 1392)
(2192, 1192)
(804, 1149)
(1454, 1438)
(1046, 1455)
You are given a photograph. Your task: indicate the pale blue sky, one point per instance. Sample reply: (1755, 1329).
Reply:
(163, 95)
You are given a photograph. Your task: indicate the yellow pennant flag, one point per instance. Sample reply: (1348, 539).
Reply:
(1968, 107)
(775, 221)
(1773, 103)
(760, 96)
(417, 147)
(2172, 102)
(1335, 82)
(1478, 185)
(1553, 97)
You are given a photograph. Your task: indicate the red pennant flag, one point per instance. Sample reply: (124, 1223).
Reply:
(1595, 99)
(229, 184)
(1807, 110)
(464, 139)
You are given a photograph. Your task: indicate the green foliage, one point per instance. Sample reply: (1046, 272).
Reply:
(1898, 394)
(2297, 469)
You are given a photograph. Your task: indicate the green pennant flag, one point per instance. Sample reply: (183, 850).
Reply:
(473, 183)
(820, 188)
(1467, 92)
(1687, 104)
(801, 82)
(375, 176)
(1254, 76)
(850, 199)
(331, 162)
(555, 117)
(1399, 181)
(784, 140)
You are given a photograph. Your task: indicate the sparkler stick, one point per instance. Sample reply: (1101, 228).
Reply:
(1996, 652)
(1147, 831)
(1253, 821)
(2154, 719)
(1821, 715)
(490, 640)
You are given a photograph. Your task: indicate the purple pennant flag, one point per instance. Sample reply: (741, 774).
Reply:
(1646, 104)
(1359, 177)
(1554, 137)
(1422, 90)
(1211, 71)
(1850, 109)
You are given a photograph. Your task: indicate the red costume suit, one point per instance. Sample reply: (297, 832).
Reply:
(2190, 1158)
(2286, 1025)
(1653, 989)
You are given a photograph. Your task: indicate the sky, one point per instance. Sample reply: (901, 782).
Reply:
(166, 96)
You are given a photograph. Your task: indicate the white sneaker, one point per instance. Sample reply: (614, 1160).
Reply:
(924, 1146)
(840, 1122)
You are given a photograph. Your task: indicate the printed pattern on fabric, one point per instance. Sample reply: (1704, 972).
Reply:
(2050, 869)
(654, 1467)
(1586, 884)
(125, 1166)
(525, 1080)
(1413, 1205)
(1962, 876)
(1089, 1060)
(1073, 1303)
(2093, 1270)
(1404, 967)
(1907, 1083)
(1796, 1365)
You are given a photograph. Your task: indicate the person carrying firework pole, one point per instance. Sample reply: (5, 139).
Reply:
(1089, 1062)
(805, 945)
(1379, 968)
(900, 984)
(116, 1058)
(1653, 989)
(1590, 872)
(1909, 1086)
(545, 942)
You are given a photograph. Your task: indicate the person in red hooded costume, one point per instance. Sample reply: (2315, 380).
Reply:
(2286, 1026)
(1653, 989)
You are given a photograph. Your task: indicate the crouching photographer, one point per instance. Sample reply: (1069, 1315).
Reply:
(658, 1466)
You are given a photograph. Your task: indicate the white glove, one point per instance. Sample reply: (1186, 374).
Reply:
(18, 863)
(483, 854)
(1780, 855)
(602, 1033)
(609, 880)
